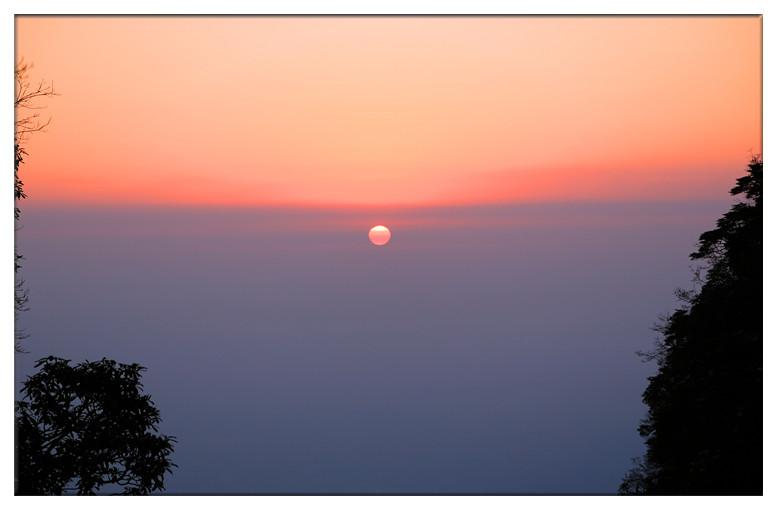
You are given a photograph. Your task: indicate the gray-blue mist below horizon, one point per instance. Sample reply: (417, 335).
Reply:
(493, 357)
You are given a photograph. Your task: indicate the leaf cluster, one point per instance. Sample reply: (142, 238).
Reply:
(86, 427)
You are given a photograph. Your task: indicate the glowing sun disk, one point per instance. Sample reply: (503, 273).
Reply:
(379, 235)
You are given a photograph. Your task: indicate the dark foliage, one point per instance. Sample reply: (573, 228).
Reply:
(84, 427)
(704, 426)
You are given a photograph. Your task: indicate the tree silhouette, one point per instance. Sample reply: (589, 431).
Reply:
(704, 425)
(80, 428)
(25, 123)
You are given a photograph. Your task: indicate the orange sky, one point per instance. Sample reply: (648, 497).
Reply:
(391, 110)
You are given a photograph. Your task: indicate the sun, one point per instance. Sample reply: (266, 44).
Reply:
(379, 235)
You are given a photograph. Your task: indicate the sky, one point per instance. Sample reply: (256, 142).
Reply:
(200, 205)
(392, 110)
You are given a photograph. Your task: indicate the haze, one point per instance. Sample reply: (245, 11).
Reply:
(201, 200)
